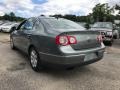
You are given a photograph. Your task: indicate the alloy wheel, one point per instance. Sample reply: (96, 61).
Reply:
(33, 58)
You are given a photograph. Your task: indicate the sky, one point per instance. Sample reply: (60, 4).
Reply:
(29, 8)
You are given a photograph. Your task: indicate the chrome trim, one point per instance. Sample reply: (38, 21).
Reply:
(60, 55)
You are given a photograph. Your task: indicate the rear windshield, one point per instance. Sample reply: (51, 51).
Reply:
(63, 24)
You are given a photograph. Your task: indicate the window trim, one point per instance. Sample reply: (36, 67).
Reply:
(25, 21)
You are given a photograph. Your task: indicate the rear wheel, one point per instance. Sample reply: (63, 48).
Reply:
(34, 59)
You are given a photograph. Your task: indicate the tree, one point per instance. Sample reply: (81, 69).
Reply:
(11, 17)
(102, 12)
(57, 16)
(12, 14)
(6, 17)
(70, 17)
(117, 7)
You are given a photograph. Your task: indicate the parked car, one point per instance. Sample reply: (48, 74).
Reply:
(1, 23)
(14, 27)
(117, 32)
(106, 29)
(7, 27)
(57, 42)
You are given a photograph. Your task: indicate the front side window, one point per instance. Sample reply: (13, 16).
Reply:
(27, 25)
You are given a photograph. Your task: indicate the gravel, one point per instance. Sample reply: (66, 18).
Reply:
(16, 73)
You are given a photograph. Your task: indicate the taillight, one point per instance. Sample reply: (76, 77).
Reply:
(99, 38)
(65, 40)
(62, 40)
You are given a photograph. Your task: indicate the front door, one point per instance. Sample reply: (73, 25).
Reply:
(23, 35)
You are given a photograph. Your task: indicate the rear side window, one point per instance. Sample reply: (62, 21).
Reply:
(38, 26)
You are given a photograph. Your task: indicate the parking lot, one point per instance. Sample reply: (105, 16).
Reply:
(16, 73)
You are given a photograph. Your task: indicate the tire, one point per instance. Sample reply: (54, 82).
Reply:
(115, 37)
(110, 43)
(12, 44)
(34, 60)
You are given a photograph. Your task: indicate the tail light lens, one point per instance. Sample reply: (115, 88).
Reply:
(65, 40)
(72, 40)
(62, 40)
(99, 38)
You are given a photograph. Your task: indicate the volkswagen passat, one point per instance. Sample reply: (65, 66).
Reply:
(57, 42)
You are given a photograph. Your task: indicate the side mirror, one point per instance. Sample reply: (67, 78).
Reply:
(13, 29)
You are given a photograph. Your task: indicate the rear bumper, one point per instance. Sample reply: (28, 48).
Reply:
(70, 60)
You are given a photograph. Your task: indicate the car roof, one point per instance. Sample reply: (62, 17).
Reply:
(45, 17)
(42, 17)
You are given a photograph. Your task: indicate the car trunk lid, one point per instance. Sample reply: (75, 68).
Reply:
(85, 39)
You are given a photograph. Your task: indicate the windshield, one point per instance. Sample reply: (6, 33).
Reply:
(63, 24)
(103, 25)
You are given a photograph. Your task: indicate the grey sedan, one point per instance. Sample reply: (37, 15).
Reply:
(56, 42)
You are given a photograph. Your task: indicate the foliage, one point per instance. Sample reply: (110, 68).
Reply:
(117, 7)
(73, 17)
(11, 17)
(102, 12)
